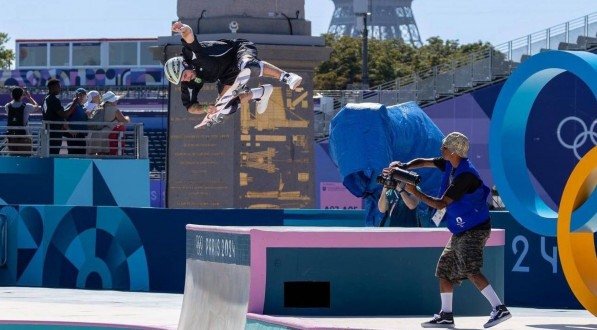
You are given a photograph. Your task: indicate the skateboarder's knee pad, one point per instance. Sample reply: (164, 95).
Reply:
(254, 65)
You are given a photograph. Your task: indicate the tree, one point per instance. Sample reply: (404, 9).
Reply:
(6, 55)
(388, 59)
(343, 65)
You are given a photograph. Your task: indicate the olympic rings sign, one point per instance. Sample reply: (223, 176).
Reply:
(577, 219)
(587, 134)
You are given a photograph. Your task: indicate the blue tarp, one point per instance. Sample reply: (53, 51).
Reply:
(366, 137)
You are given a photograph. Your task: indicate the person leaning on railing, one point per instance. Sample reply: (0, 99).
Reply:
(108, 112)
(18, 113)
(54, 111)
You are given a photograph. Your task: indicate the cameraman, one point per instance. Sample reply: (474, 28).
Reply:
(397, 204)
(464, 203)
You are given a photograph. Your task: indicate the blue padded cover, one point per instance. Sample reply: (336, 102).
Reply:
(366, 137)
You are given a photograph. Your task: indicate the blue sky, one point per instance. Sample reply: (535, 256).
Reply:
(496, 21)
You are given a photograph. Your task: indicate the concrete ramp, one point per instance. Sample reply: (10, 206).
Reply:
(216, 293)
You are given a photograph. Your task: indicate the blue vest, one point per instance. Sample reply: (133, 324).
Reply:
(471, 209)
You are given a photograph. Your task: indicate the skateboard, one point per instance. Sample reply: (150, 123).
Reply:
(224, 102)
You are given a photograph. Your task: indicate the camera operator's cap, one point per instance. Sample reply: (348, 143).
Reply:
(110, 97)
(80, 91)
(457, 143)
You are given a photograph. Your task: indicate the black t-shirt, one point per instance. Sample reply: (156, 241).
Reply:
(464, 183)
(52, 108)
(213, 61)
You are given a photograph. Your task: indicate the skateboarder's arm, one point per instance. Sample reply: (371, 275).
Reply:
(188, 93)
(185, 31)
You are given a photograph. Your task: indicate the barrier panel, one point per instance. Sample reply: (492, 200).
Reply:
(49, 240)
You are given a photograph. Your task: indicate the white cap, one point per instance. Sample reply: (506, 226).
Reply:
(91, 95)
(89, 105)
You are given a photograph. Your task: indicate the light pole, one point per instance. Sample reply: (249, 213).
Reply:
(361, 9)
(365, 65)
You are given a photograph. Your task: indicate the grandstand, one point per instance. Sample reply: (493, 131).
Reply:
(124, 66)
(480, 70)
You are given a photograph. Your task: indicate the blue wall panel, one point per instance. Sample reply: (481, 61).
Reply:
(143, 249)
(533, 273)
(139, 249)
(71, 181)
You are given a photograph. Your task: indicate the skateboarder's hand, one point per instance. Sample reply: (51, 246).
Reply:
(180, 28)
(196, 109)
(199, 109)
(211, 109)
(185, 31)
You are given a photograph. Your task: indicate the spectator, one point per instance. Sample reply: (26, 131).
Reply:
(93, 101)
(75, 139)
(53, 111)
(108, 112)
(18, 113)
(464, 201)
(398, 206)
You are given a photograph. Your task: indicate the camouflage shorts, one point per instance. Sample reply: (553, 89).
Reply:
(462, 256)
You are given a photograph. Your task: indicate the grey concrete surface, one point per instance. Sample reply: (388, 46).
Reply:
(523, 318)
(66, 305)
(163, 310)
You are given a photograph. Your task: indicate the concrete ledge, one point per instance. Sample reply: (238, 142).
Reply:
(343, 271)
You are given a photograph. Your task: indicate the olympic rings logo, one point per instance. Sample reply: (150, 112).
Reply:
(581, 139)
(576, 222)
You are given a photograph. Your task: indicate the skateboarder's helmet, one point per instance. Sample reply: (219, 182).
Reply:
(174, 68)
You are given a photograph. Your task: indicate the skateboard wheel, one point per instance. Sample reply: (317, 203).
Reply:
(235, 93)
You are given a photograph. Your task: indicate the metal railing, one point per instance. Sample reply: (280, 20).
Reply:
(20, 140)
(127, 92)
(75, 139)
(499, 61)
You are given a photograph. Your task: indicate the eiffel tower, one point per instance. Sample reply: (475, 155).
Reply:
(390, 19)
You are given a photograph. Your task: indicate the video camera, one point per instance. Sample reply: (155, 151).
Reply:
(398, 175)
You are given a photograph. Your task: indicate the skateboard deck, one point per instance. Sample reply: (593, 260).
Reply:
(224, 101)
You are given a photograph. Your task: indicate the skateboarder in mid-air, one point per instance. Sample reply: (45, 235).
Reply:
(221, 62)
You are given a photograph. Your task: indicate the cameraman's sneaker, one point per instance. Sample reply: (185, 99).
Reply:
(497, 316)
(264, 99)
(443, 320)
(293, 80)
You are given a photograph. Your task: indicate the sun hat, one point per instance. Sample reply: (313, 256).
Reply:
(110, 97)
